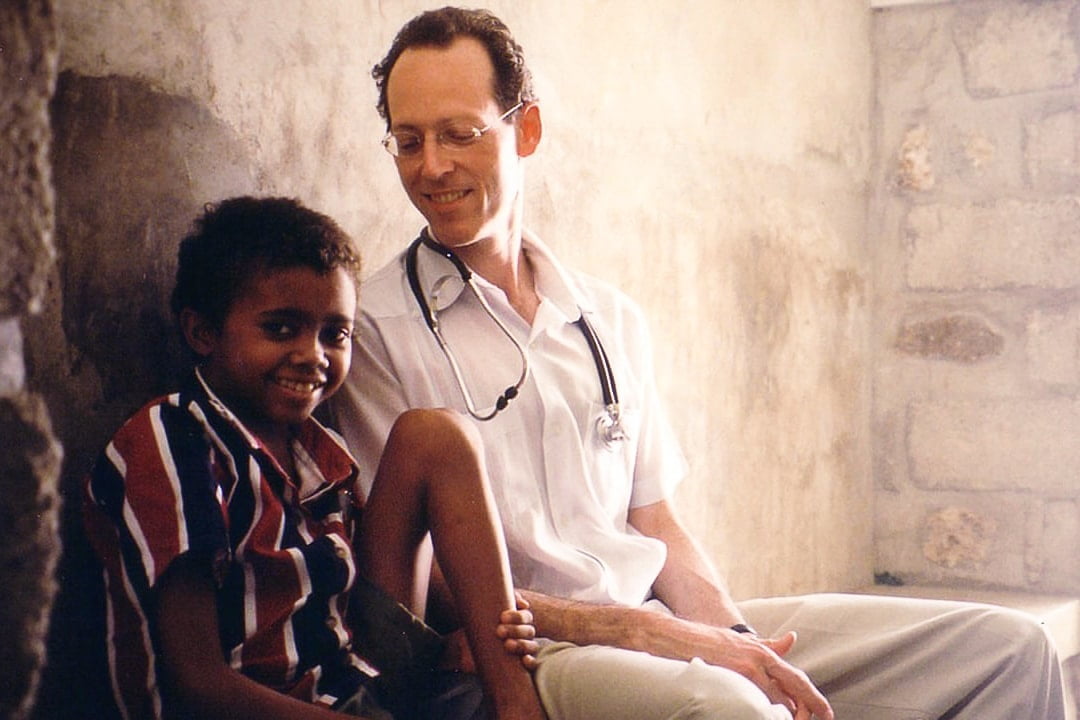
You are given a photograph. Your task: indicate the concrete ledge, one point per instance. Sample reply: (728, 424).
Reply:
(1059, 614)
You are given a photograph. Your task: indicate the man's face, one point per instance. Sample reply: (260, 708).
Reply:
(466, 194)
(285, 345)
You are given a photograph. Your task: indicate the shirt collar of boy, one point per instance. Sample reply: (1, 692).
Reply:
(321, 458)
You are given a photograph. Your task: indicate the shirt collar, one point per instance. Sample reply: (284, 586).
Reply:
(322, 457)
(442, 283)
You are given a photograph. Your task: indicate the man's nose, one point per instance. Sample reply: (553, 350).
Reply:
(434, 159)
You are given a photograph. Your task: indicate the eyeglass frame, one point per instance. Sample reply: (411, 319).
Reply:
(477, 133)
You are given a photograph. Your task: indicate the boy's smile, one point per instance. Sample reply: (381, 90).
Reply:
(285, 346)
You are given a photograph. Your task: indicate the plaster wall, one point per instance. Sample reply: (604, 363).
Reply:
(976, 228)
(712, 159)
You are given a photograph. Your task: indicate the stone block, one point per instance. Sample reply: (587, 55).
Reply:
(1061, 537)
(958, 338)
(1012, 48)
(1000, 444)
(999, 244)
(945, 536)
(1053, 346)
(1052, 150)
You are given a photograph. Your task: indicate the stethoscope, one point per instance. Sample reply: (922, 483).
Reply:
(608, 425)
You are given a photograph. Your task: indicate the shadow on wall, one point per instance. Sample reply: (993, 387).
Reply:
(131, 168)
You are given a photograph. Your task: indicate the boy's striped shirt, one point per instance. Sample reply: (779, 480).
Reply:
(184, 477)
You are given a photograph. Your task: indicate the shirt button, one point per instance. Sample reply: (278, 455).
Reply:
(341, 552)
(331, 622)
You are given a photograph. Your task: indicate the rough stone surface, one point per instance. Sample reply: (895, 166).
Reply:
(977, 293)
(1000, 243)
(1053, 346)
(27, 70)
(996, 444)
(29, 518)
(957, 338)
(30, 457)
(12, 368)
(916, 171)
(991, 39)
(1052, 150)
(958, 537)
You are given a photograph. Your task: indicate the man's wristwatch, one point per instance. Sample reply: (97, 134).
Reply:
(743, 628)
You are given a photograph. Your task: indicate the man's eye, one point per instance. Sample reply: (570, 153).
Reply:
(460, 135)
(407, 143)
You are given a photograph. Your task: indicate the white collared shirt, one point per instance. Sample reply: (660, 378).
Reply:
(563, 495)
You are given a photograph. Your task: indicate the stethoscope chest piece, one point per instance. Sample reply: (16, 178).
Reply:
(609, 427)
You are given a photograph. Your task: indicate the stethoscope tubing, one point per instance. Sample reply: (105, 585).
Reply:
(608, 425)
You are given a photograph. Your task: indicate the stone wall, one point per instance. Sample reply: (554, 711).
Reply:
(30, 457)
(976, 230)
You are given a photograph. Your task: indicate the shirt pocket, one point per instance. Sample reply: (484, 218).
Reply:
(611, 460)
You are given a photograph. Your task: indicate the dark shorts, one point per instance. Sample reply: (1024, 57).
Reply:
(406, 651)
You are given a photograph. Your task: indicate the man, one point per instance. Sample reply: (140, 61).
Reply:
(641, 625)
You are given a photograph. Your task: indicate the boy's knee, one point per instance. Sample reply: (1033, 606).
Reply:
(440, 434)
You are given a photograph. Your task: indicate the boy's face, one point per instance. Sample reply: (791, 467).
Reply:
(284, 346)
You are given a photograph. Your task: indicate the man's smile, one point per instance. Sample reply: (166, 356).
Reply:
(446, 197)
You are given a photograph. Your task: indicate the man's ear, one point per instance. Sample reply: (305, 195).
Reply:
(200, 334)
(529, 129)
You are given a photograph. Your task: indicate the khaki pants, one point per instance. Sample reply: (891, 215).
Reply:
(875, 658)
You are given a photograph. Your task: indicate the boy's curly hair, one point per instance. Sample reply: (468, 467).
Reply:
(237, 238)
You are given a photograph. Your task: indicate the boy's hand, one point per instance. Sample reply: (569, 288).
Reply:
(518, 632)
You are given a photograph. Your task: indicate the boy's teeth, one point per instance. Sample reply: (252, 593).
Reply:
(299, 386)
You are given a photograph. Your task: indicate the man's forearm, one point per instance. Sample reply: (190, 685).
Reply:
(654, 632)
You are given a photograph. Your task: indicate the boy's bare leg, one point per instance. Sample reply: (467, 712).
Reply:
(432, 477)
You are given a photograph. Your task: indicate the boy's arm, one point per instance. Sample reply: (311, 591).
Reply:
(196, 672)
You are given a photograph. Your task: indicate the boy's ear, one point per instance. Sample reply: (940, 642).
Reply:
(530, 129)
(200, 334)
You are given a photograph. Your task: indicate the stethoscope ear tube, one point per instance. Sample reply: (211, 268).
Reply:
(432, 321)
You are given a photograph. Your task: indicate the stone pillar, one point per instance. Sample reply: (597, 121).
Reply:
(29, 453)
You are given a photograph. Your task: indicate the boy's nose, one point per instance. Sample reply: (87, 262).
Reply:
(311, 353)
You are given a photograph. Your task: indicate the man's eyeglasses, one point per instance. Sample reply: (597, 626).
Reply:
(453, 137)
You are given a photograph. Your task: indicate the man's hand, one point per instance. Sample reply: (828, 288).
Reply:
(760, 660)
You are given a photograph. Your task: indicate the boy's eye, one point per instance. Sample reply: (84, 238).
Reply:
(279, 330)
(337, 335)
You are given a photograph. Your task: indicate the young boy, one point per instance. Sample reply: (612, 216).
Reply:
(224, 514)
